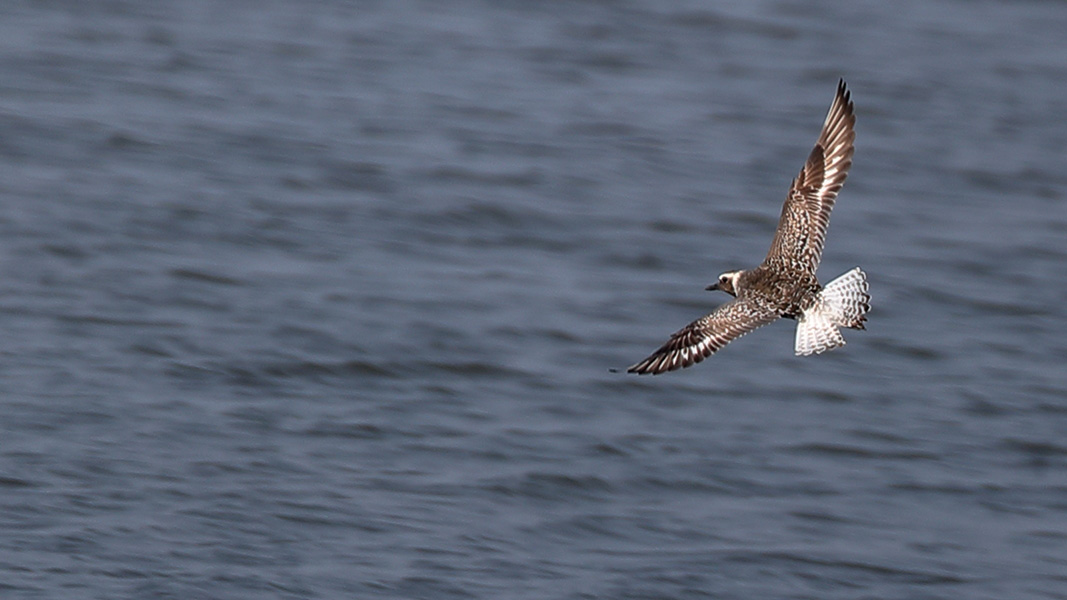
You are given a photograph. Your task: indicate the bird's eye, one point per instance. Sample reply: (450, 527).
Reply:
(723, 279)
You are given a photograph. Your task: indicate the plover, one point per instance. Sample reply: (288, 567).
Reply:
(784, 284)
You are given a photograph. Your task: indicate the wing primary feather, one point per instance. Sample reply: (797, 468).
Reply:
(705, 336)
(801, 234)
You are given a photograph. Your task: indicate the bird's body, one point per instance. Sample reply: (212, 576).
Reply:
(789, 293)
(785, 284)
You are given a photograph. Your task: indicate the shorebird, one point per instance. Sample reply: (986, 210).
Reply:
(784, 284)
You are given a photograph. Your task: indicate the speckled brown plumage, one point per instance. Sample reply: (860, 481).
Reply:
(785, 284)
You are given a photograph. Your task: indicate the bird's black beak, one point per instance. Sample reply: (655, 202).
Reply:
(712, 287)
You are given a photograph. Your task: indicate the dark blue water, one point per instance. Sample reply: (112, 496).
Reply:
(318, 300)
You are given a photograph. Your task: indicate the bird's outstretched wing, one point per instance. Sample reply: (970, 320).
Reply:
(698, 340)
(801, 233)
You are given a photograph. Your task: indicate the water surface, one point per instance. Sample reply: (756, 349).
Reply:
(318, 300)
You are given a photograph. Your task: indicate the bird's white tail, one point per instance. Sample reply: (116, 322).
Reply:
(842, 303)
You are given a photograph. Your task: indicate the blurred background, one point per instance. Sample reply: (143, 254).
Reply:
(318, 300)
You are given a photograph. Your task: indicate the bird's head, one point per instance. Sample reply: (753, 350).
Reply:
(727, 282)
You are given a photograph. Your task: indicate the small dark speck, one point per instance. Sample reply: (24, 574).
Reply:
(205, 277)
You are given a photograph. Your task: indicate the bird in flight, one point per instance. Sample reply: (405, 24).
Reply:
(784, 284)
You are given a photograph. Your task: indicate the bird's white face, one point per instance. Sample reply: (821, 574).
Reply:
(728, 282)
